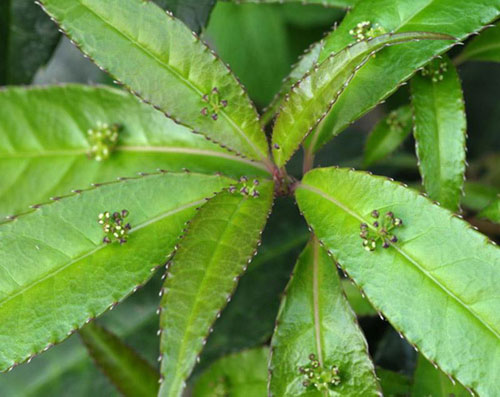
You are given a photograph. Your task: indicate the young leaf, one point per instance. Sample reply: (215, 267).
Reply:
(313, 96)
(388, 135)
(46, 149)
(439, 131)
(317, 335)
(194, 13)
(165, 64)
(242, 374)
(220, 242)
(492, 211)
(28, 38)
(396, 64)
(486, 47)
(430, 381)
(422, 281)
(130, 373)
(56, 254)
(393, 384)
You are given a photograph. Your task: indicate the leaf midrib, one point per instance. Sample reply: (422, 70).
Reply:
(189, 323)
(177, 74)
(402, 252)
(137, 149)
(77, 259)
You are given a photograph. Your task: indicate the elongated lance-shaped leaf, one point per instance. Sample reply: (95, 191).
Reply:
(486, 47)
(46, 147)
(53, 256)
(325, 3)
(399, 63)
(243, 374)
(219, 244)
(128, 371)
(430, 381)
(317, 348)
(492, 211)
(437, 280)
(439, 129)
(28, 38)
(165, 64)
(388, 135)
(305, 63)
(393, 384)
(313, 96)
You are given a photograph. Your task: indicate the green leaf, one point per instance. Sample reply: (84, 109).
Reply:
(219, 244)
(242, 374)
(313, 96)
(257, 48)
(130, 373)
(194, 13)
(393, 384)
(388, 135)
(53, 256)
(492, 211)
(28, 38)
(248, 320)
(67, 369)
(430, 381)
(316, 320)
(396, 64)
(486, 47)
(164, 63)
(356, 300)
(44, 143)
(439, 131)
(325, 3)
(423, 283)
(478, 195)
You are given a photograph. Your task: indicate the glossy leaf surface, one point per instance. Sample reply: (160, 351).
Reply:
(486, 47)
(219, 244)
(388, 135)
(131, 374)
(162, 62)
(439, 131)
(423, 282)
(397, 64)
(194, 13)
(315, 319)
(45, 146)
(53, 256)
(28, 38)
(356, 300)
(242, 374)
(429, 381)
(313, 96)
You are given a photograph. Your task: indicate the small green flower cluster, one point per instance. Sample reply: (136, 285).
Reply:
(319, 378)
(383, 231)
(435, 71)
(214, 102)
(114, 226)
(394, 122)
(365, 30)
(102, 140)
(246, 187)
